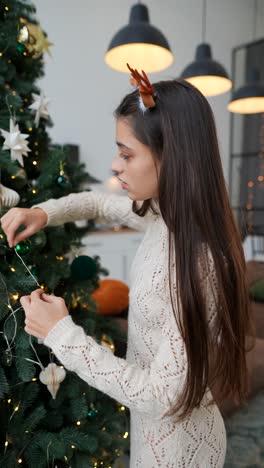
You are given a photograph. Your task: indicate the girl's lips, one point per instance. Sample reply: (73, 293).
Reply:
(123, 184)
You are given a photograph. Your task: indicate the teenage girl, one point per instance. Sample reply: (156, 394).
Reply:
(189, 306)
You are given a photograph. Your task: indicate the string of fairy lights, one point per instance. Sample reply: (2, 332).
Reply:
(92, 411)
(73, 447)
(78, 423)
(32, 40)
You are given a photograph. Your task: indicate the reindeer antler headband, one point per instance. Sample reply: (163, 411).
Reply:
(145, 88)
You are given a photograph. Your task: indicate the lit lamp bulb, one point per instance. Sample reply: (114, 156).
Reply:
(249, 98)
(206, 74)
(140, 44)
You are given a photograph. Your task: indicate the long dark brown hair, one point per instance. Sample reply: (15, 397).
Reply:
(193, 200)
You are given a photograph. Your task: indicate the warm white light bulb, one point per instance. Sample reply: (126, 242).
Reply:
(148, 57)
(210, 85)
(252, 105)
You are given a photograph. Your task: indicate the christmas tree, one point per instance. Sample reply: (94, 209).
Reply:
(45, 423)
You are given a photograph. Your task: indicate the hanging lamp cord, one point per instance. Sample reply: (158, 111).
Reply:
(255, 20)
(204, 21)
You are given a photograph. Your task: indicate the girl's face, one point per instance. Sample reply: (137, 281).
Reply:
(134, 164)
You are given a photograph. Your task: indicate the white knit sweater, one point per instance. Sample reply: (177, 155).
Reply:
(152, 375)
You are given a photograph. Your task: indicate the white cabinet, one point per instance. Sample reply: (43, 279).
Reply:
(116, 250)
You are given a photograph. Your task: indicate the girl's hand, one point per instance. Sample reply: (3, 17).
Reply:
(42, 311)
(33, 220)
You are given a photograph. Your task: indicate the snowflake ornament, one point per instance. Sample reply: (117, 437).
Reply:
(15, 142)
(40, 107)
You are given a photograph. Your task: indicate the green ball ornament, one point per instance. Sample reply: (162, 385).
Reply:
(20, 48)
(62, 180)
(92, 413)
(83, 268)
(22, 248)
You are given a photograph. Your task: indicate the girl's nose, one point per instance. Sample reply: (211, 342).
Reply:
(116, 166)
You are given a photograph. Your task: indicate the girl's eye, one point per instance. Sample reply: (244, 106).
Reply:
(123, 156)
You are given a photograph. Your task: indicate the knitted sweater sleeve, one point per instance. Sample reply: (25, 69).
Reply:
(148, 391)
(93, 205)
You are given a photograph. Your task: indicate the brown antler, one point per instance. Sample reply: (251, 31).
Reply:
(144, 86)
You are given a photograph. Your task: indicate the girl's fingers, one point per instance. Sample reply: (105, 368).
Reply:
(10, 231)
(37, 294)
(25, 301)
(22, 235)
(49, 298)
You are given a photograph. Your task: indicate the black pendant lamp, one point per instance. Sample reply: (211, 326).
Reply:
(249, 99)
(209, 76)
(140, 44)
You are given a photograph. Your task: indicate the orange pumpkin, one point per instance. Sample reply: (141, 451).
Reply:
(111, 297)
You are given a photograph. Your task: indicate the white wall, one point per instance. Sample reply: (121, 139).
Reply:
(84, 91)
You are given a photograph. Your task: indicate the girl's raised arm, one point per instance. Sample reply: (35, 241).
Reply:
(102, 207)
